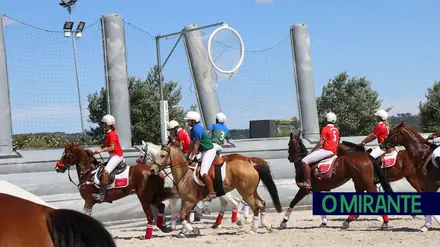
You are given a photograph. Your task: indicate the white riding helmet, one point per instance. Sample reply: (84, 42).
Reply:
(172, 124)
(192, 115)
(221, 118)
(331, 117)
(108, 119)
(382, 114)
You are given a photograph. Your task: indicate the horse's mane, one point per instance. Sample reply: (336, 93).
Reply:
(302, 147)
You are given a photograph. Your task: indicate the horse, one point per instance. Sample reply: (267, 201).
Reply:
(27, 223)
(228, 172)
(333, 172)
(123, 181)
(147, 155)
(420, 151)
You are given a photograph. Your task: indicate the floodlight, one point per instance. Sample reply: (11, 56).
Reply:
(68, 25)
(81, 26)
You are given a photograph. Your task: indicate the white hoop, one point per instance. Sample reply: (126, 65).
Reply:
(226, 27)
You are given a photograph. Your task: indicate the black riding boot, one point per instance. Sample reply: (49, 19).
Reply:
(375, 166)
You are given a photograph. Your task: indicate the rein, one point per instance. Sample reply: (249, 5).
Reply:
(179, 165)
(81, 172)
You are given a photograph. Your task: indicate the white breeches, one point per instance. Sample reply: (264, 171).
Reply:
(317, 155)
(436, 153)
(217, 147)
(207, 159)
(377, 152)
(113, 161)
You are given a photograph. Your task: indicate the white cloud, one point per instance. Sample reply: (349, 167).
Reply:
(402, 105)
(264, 1)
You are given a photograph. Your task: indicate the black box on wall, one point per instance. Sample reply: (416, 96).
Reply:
(262, 128)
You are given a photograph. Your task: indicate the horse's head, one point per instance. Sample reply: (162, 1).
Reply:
(166, 157)
(296, 147)
(396, 137)
(72, 155)
(147, 154)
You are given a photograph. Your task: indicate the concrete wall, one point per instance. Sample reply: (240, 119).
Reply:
(35, 173)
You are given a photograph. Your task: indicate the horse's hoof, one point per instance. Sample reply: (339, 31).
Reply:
(357, 217)
(248, 220)
(215, 226)
(181, 235)
(196, 231)
(384, 226)
(283, 225)
(424, 229)
(269, 227)
(323, 225)
(239, 222)
(345, 225)
(166, 229)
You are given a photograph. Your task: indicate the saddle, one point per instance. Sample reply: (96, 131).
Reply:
(218, 161)
(324, 169)
(120, 168)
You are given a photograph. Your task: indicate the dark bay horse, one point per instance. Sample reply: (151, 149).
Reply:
(138, 179)
(228, 172)
(28, 224)
(396, 167)
(420, 151)
(353, 165)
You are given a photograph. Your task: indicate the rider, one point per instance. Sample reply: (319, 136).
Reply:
(327, 147)
(380, 132)
(178, 136)
(201, 142)
(113, 147)
(219, 132)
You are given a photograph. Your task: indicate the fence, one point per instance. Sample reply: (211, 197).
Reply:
(42, 82)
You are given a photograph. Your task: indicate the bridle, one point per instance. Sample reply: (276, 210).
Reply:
(69, 155)
(169, 160)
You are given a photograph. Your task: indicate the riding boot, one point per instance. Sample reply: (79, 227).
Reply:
(375, 166)
(307, 181)
(104, 184)
(210, 186)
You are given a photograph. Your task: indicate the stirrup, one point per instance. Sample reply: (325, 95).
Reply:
(209, 197)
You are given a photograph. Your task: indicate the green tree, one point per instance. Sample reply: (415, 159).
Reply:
(353, 101)
(412, 120)
(144, 108)
(430, 110)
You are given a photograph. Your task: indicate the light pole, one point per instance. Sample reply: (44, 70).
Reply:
(78, 34)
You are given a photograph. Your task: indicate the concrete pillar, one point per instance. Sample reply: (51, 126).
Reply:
(300, 41)
(5, 109)
(202, 71)
(116, 76)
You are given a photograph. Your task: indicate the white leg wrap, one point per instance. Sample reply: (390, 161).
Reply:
(436, 218)
(324, 219)
(428, 221)
(255, 223)
(187, 226)
(246, 211)
(87, 211)
(287, 215)
(263, 219)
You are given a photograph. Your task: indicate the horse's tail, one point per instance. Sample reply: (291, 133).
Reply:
(263, 170)
(72, 228)
(381, 175)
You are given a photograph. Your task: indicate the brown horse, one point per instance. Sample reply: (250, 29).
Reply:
(228, 172)
(419, 150)
(123, 181)
(27, 224)
(396, 163)
(334, 172)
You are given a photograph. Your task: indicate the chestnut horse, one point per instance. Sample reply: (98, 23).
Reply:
(138, 179)
(147, 155)
(353, 165)
(420, 151)
(231, 171)
(26, 223)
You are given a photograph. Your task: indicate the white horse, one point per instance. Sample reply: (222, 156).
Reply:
(148, 154)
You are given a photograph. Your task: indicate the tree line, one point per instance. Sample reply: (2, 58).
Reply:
(352, 99)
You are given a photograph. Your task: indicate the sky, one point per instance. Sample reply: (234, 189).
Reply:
(393, 43)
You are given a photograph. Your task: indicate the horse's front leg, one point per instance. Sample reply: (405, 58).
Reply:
(298, 197)
(186, 226)
(174, 215)
(88, 207)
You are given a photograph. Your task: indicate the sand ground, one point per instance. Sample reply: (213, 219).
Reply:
(303, 230)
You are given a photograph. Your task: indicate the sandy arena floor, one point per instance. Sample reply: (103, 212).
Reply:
(302, 230)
